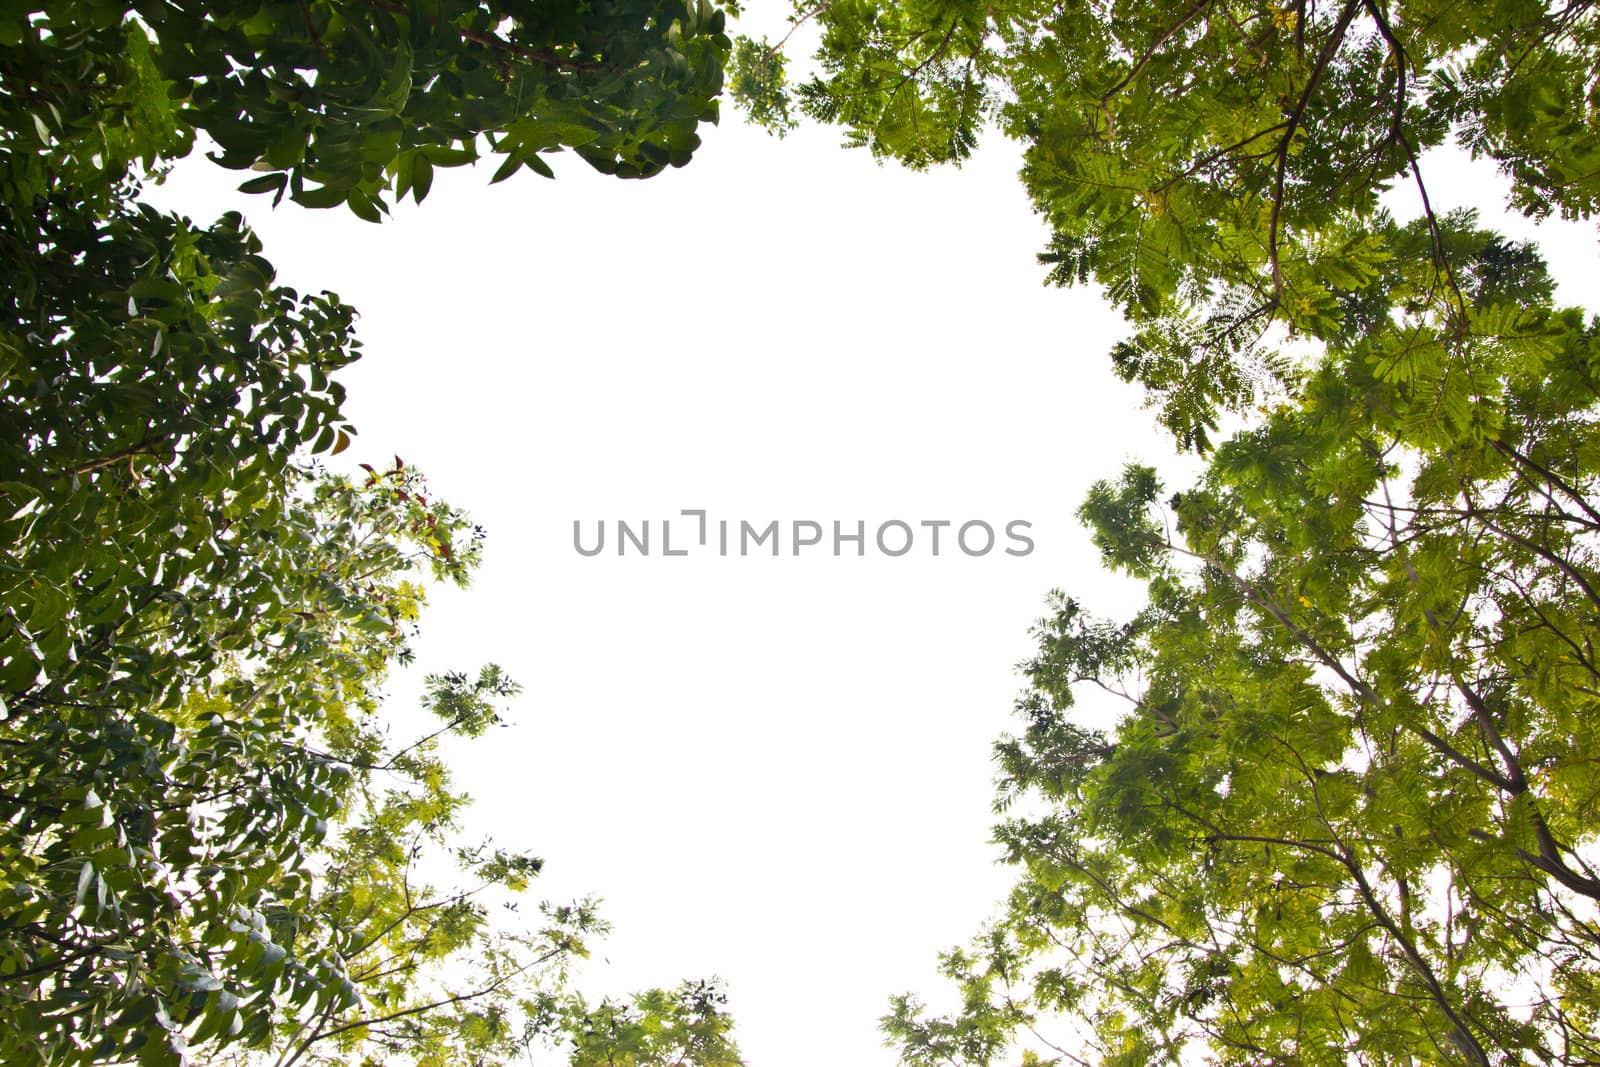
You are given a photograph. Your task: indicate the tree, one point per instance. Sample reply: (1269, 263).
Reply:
(1216, 166)
(209, 847)
(1347, 812)
(345, 101)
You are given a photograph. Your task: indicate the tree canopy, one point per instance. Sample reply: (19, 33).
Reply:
(1217, 166)
(212, 849)
(334, 102)
(1349, 809)
(1346, 812)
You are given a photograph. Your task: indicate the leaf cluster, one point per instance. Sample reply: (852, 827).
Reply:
(1216, 166)
(212, 850)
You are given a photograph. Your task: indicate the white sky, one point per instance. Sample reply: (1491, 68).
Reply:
(773, 770)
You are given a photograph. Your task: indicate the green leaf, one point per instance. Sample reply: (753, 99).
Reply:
(324, 197)
(421, 176)
(268, 183)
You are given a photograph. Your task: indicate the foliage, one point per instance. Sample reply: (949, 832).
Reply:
(1215, 165)
(757, 76)
(209, 839)
(211, 850)
(686, 1025)
(1348, 812)
(351, 101)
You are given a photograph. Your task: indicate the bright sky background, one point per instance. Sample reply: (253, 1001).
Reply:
(773, 770)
